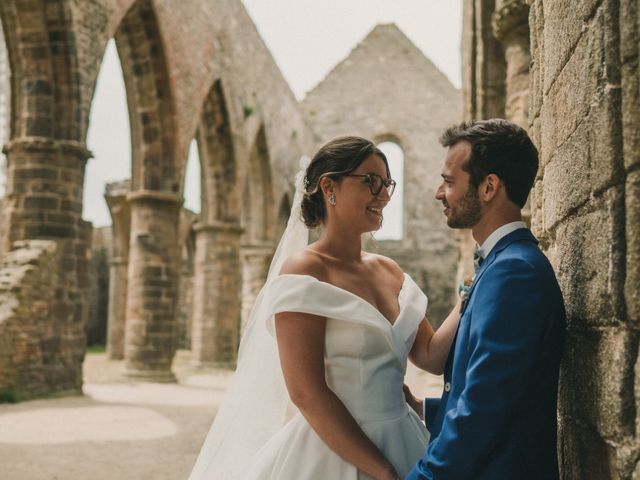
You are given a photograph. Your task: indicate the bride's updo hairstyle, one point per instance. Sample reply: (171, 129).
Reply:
(340, 156)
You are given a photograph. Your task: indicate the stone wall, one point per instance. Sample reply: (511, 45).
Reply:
(29, 285)
(386, 90)
(585, 118)
(583, 100)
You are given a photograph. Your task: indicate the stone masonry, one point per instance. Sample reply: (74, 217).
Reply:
(33, 359)
(582, 96)
(198, 71)
(568, 71)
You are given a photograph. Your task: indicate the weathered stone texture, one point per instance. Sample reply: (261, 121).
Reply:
(483, 63)
(217, 286)
(511, 27)
(35, 352)
(585, 119)
(417, 104)
(632, 208)
(150, 328)
(584, 116)
(192, 69)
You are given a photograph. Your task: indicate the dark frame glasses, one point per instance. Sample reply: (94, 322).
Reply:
(375, 181)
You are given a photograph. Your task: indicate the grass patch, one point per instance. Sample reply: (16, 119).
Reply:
(96, 349)
(9, 396)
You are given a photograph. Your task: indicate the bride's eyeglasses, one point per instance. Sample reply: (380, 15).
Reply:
(376, 182)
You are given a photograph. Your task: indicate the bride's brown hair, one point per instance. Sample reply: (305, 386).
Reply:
(341, 155)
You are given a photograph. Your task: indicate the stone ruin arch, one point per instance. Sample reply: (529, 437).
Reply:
(55, 48)
(217, 275)
(258, 222)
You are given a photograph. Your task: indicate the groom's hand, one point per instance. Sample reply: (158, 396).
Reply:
(416, 404)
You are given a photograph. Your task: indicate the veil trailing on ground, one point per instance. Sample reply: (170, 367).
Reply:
(255, 404)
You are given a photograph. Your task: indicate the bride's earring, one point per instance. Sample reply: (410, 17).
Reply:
(332, 199)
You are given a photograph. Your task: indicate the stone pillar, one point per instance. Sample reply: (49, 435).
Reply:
(511, 27)
(150, 325)
(216, 297)
(115, 196)
(255, 267)
(118, 268)
(45, 178)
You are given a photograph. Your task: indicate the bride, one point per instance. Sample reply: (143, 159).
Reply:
(318, 392)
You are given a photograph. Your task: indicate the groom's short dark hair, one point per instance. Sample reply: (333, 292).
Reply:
(499, 147)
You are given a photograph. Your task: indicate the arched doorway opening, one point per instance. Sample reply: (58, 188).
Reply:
(108, 138)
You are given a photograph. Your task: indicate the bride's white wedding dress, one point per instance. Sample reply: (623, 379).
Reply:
(254, 436)
(365, 363)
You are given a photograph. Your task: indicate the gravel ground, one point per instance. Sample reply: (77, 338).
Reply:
(122, 430)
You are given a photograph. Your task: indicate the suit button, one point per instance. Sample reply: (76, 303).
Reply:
(447, 387)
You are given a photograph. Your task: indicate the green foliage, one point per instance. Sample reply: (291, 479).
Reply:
(96, 349)
(248, 110)
(9, 396)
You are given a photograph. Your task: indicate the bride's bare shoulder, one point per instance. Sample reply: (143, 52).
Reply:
(386, 265)
(306, 262)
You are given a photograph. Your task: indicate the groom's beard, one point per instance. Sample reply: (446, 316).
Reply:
(467, 212)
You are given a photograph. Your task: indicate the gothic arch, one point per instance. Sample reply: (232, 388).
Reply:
(220, 200)
(258, 198)
(150, 101)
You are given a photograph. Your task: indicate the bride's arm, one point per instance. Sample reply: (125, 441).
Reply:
(430, 349)
(301, 346)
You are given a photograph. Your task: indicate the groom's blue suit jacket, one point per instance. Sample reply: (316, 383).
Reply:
(496, 419)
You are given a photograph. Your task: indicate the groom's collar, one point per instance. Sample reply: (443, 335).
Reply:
(519, 235)
(498, 234)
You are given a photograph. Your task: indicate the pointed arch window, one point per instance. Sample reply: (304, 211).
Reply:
(393, 224)
(192, 180)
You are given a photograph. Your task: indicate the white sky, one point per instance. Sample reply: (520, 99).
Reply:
(307, 38)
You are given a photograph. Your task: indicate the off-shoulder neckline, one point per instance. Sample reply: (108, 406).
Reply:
(358, 297)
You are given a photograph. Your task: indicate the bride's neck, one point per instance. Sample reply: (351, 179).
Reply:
(340, 245)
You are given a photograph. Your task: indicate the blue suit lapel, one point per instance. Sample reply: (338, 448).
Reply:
(520, 235)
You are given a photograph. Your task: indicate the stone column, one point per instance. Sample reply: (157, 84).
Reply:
(511, 27)
(255, 266)
(118, 268)
(216, 296)
(115, 196)
(150, 325)
(45, 178)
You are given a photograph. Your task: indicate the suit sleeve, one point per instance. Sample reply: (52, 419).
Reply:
(506, 331)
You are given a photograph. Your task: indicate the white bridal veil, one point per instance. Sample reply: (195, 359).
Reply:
(255, 404)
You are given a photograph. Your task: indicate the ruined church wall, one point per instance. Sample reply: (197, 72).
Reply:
(29, 284)
(585, 118)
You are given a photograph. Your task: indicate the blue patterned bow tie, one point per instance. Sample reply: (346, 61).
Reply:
(477, 259)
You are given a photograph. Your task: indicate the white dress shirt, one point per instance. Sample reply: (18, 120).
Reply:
(497, 235)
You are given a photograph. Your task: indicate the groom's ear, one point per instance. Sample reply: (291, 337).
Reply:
(489, 187)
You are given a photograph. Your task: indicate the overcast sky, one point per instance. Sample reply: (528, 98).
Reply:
(307, 38)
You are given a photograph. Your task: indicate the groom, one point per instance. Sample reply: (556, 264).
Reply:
(496, 419)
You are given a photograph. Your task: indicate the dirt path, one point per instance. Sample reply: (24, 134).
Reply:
(121, 430)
